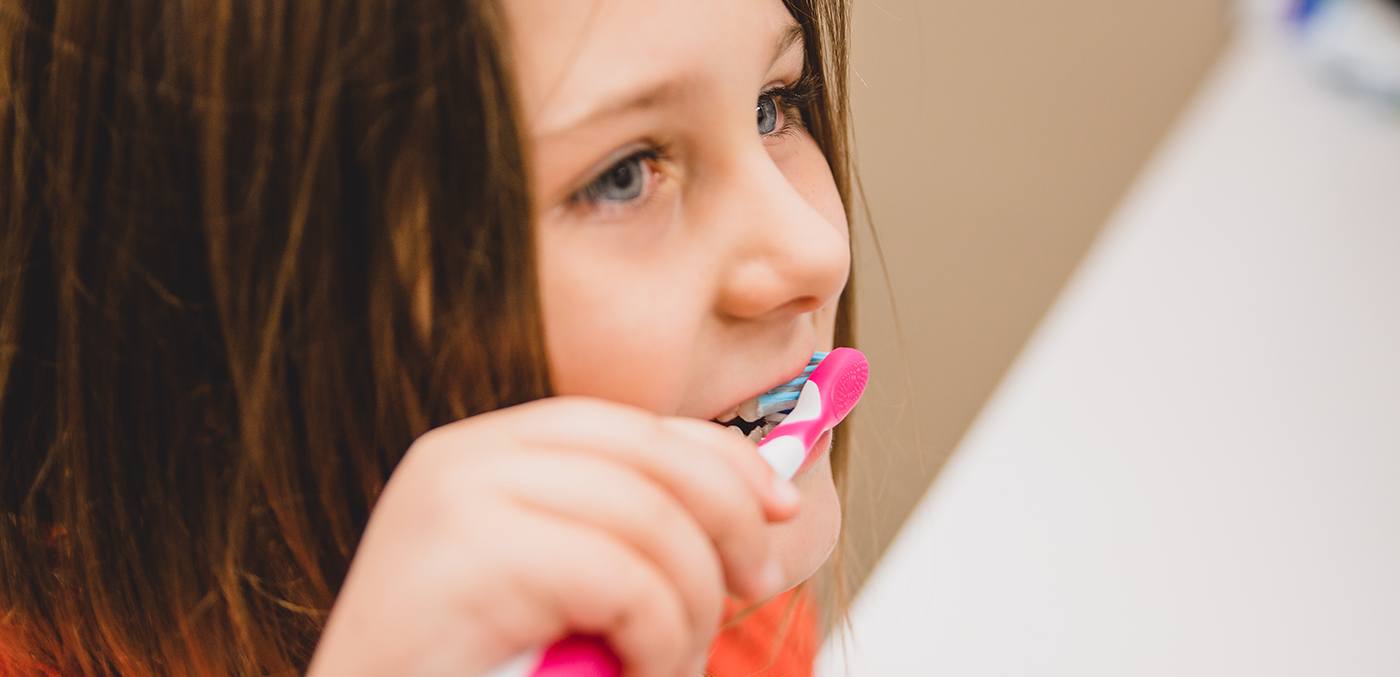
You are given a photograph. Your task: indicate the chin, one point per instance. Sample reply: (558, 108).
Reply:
(806, 541)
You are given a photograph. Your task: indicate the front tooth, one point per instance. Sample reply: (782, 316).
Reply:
(749, 410)
(756, 434)
(737, 429)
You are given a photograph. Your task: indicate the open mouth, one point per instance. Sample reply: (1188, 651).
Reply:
(756, 427)
(758, 416)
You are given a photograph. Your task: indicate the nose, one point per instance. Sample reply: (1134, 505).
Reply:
(788, 248)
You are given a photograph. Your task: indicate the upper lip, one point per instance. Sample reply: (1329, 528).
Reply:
(777, 380)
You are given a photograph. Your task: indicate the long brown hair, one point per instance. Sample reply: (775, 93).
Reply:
(251, 249)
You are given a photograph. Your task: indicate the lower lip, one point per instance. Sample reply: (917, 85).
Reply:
(819, 450)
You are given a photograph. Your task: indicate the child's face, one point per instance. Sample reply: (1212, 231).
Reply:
(691, 251)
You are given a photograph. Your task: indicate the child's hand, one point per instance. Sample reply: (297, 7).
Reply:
(506, 531)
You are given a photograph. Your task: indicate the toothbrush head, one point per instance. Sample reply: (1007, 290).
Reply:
(828, 396)
(783, 398)
(842, 377)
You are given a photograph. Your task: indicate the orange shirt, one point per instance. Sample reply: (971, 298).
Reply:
(762, 645)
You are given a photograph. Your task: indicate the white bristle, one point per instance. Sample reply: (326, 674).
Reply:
(775, 407)
(757, 434)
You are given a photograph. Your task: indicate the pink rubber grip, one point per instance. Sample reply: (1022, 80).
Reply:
(578, 656)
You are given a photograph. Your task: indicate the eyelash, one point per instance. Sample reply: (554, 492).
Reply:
(794, 101)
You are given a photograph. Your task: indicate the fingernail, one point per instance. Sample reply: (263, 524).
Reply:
(785, 493)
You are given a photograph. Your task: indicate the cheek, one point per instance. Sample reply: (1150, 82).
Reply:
(807, 170)
(613, 328)
(807, 541)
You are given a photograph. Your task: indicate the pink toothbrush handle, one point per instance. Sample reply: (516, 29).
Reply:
(578, 656)
(828, 396)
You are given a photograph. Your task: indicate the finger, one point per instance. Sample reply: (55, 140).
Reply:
(743, 456)
(599, 586)
(622, 502)
(599, 423)
(697, 473)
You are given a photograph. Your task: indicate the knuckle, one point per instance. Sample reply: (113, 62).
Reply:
(676, 632)
(746, 454)
(599, 410)
(737, 450)
(736, 508)
(710, 606)
(667, 519)
(426, 443)
(663, 427)
(654, 612)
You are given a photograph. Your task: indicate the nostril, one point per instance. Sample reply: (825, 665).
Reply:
(805, 304)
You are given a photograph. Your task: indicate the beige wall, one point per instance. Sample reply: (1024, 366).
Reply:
(993, 140)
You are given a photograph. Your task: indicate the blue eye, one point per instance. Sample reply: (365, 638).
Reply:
(767, 110)
(623, 182)
(782, 110)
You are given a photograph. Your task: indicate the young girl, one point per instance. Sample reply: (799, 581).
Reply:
(371, 337)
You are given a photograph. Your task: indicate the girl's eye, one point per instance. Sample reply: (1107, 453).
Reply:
(767, 113)
(780, 111)
(622, 182)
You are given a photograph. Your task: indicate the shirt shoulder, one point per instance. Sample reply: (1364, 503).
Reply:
(778, 639)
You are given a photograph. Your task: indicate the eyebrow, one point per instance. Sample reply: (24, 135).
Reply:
(651, 96)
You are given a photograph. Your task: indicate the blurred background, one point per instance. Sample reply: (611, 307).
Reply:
(1130, 302)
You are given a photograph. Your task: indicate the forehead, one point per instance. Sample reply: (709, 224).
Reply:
(571, 55)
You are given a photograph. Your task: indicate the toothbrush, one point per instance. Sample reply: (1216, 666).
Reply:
(834, 386)
(829, 394)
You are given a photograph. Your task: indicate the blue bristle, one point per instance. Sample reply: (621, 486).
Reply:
(778, 399)
(786, 396)
(797, 382)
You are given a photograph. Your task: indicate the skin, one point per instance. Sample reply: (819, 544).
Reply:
(725, 268)
(686, 283)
